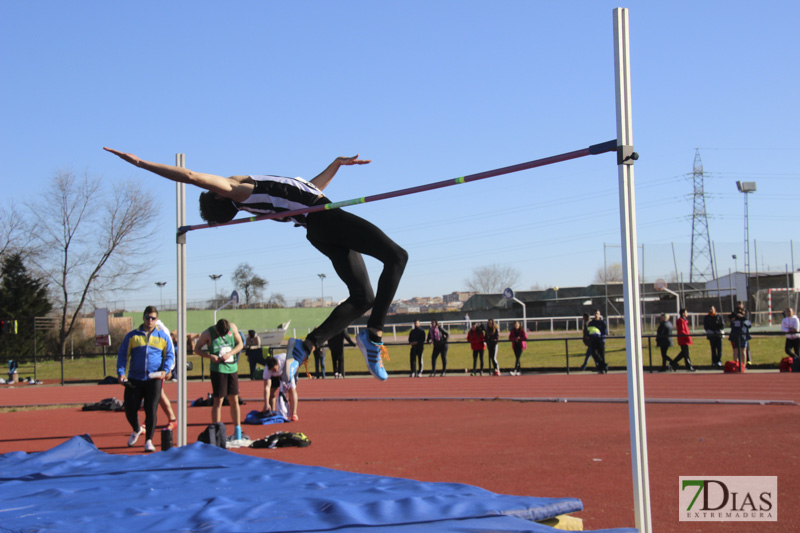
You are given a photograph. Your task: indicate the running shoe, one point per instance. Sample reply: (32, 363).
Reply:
(135, 436)
(295, 418)
(296, 356)
(148, 446)
(373, 353)
(172, 425)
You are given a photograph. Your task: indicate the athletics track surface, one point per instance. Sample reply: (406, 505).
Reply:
(509, 435)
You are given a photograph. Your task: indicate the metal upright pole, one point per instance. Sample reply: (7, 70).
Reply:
(180, 440)
(633, 324)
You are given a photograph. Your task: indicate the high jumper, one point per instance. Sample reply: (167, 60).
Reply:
(339, 235)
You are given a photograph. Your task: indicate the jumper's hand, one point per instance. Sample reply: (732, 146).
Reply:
(351, 160)
(130, 158)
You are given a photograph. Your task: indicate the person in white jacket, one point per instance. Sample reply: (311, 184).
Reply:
(791, 325)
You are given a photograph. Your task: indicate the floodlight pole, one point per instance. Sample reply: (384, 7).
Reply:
(182, 356)
(633, 319)
(746, 188)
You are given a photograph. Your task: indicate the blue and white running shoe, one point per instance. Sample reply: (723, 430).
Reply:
(296, 355)
(373, 353)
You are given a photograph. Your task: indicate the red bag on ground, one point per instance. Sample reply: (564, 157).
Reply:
(732, 367)
(786, 364)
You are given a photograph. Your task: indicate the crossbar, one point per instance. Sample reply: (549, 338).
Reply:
(595, 149)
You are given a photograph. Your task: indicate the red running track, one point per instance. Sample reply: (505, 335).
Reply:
(470, 430)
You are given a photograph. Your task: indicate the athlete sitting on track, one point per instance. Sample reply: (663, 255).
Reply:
(339, 235)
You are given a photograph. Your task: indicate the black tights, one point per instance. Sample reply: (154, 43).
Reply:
(150, 391)
(475, 355)
(343, 237)
(665, 360)
(337, 356)
(415, 358)
(684, 354)
(491, 351)
(439, 349)
(517, 354)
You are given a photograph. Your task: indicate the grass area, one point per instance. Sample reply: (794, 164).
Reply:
(545, 351)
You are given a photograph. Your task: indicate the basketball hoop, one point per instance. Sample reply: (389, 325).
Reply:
(661, 285)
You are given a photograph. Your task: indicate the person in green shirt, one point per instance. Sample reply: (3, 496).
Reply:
(223, 344)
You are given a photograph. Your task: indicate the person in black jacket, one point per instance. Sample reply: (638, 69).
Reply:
(438, 337)
(664, 341)
(715, 330)
(740, 335)
(492, 338)
(598, 331)
(587, 342)
(417, 341)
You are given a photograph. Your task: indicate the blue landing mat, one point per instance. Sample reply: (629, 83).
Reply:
(76, 487)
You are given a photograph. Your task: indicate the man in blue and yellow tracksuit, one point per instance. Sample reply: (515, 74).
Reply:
(151, 356)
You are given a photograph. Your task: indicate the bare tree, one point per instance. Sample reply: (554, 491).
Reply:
(492, 279)
(16, 236)
(611, 273)
(276, 299)
(90, 239)
(251, 283)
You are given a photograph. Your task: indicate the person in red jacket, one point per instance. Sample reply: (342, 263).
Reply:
(684, 341)
(476, 338)
(517, 336)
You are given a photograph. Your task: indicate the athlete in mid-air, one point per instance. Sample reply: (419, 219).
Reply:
(339, 235)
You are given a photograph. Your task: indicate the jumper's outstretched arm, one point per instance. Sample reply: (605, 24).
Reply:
(234, 187)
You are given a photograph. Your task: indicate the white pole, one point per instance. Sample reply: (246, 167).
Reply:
(180, 160)
(633, 323)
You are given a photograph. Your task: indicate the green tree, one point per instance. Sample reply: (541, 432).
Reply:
(252, 284)
(22, 298)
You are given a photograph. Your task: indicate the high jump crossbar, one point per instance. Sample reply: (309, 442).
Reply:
(595, 149)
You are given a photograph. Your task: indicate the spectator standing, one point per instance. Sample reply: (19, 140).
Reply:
(252, 347)
(147, 354)
(715, 330)
(438, 337)
(740, 334)
(598, 331)
(492, 339)
(273, 378)
(664, 341)
(476, 340)
(416, 338)
(684, 340)
(224, 343)
(518, 339)
(791, 325)
(336, 346)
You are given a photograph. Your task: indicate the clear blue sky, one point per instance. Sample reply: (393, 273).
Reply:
(428, 91)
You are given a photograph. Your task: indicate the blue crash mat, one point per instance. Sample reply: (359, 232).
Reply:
(76, 487)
